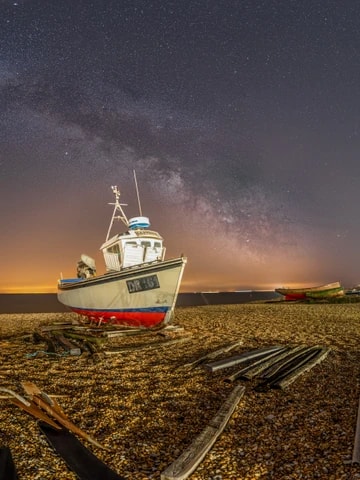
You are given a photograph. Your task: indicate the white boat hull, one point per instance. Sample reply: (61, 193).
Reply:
(139, 296)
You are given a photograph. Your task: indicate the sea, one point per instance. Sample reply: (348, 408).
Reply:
(48, 302)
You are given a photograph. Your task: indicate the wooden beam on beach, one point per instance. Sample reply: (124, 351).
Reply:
(143, 346)
(356, 449)
(319, 357)
(194, 454)
(287, 359)
(256, 370)
(258, 365)
(290, 367)
(216, 353)
(6, 397)
(124, 333)
(67, 345)
(61, 326)
(244, 357)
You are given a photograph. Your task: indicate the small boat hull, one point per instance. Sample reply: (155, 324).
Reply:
(326, 293)
(138, 296)
(306, 292)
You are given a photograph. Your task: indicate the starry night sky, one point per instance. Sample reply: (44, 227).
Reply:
(241, 119)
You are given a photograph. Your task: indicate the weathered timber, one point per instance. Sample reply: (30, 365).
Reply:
(292, 354)
(64, 421)
(52, 345)
(293, 364)
(142, 346)
(50, 405)
(356, 448)
(31, 389)
(258, 369)
(244, 357)
(36, 412)
(61, 326)
(68, 346)
(6, 397)
(290, 378)
(194, 454)
(216, 353)
(290, 367)
(88, 338)
(257, 365)
(124, 333)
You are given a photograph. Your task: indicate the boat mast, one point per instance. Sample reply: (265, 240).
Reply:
(117, 208)
(137, 193)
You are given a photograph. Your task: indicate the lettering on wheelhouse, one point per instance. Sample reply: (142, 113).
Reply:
(144, 283)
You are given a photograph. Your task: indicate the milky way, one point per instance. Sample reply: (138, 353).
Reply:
(240, 120)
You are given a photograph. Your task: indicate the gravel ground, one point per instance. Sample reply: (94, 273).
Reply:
(147, 405)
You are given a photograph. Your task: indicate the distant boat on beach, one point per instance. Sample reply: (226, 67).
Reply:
(326, 293)
(321, 291)
(139, 287)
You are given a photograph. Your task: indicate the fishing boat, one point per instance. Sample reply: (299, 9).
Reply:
(139, 287)
(306, 292)
(326, 293)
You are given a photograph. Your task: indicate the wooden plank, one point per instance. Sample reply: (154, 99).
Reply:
(143, 346)
(64, 421)
(262, 363)
(256, 370)
(293, 354)
(67, 345)
(5, 397)
(216, 353)
(321, 355)
(194, 454)
(291, 366)
(36, 412)
(50, 328)
(123, 333)
(356, 449)
(244, 357)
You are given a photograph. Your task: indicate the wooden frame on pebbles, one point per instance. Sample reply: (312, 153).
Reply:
(194, 454)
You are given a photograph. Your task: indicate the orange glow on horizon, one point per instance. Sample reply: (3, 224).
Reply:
(29, 289)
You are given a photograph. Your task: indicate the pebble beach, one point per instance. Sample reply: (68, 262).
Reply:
(148, 398)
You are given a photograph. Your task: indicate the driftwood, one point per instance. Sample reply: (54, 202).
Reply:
(51, 407)
(52, 345)
(252, 369)
(36, 412)
(142, 346)
(214, 354)
(60, 326)
(28, 406)
(293, 354)
(356, 449)
(244, 357)
(290, 367)
(194, 454)
(319, 357)
(68, 346)
(124, 333)
(258, 369)
(88, 338)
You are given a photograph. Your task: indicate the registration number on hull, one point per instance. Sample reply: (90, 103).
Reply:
(144, 283)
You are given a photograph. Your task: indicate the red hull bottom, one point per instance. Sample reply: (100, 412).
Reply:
(295, 296)
(129, 319)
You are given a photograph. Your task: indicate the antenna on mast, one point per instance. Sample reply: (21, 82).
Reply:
(137, 193)
(117, 207)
